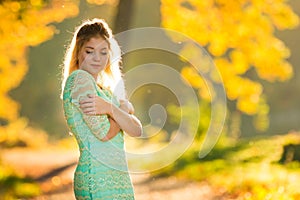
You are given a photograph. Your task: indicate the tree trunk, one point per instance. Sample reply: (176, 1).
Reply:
(123, 16)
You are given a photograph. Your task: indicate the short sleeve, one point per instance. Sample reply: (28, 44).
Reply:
(83, 85)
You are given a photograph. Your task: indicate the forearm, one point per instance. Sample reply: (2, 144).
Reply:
(113, 130)
(127, 122)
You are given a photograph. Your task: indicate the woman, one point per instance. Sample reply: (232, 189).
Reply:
(97, 113)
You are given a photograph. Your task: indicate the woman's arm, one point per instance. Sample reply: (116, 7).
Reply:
(81, 86)
(113, 130)
(126, 106)
(114, 127)
(127, 122)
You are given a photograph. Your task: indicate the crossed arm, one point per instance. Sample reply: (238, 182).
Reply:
(96, 110)
(119, 117)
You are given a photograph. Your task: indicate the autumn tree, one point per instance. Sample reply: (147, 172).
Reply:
(240, 37)
(23, 24)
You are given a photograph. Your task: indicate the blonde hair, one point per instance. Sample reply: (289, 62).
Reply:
(111, 77)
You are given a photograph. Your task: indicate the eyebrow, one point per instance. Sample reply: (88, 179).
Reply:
(94, 48)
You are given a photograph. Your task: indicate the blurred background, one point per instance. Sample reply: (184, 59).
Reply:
(255, 46)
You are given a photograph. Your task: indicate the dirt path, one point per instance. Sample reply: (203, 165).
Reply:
(54, 169)
(166, 188)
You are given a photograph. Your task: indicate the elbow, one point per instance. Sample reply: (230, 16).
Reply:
(137, 128)
(137, 131)
(140, 133)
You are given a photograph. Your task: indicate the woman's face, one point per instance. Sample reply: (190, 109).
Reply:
(94, 55)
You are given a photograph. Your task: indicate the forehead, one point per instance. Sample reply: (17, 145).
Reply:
(97, 43)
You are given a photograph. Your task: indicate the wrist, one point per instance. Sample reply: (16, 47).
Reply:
(112, 110)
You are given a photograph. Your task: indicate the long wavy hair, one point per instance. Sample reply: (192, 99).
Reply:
(111, 77)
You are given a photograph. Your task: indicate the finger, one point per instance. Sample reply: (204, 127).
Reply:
(91, 113)
(89, 110)
(105, 139)
(91, 95)
(87, 105)
(87, 100)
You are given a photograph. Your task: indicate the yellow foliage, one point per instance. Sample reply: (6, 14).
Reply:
(239, 61)
(27, 189)
(18, 133)
(12, 112)
(196, 57)
(281, 15)
(261, 120)
(218, 44)
(24, 24)
(192, 76)
(240, 35)
(99, 2)
(248, 105)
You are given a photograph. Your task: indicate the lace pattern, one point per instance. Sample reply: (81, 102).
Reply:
(102, 171)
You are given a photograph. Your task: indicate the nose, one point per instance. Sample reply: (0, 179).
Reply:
(96, 56)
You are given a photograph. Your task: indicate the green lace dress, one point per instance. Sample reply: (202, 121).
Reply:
(102, 171)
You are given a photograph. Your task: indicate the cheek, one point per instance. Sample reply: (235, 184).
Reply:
(82, 58)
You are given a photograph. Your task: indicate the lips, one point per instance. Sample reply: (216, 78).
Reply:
(95, 65)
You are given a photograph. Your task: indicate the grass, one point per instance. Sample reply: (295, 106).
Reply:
(248, 169)
(251, 169)
(14, 186)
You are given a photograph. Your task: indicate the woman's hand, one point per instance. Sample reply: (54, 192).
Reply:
(95, 105)
(126, 106)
